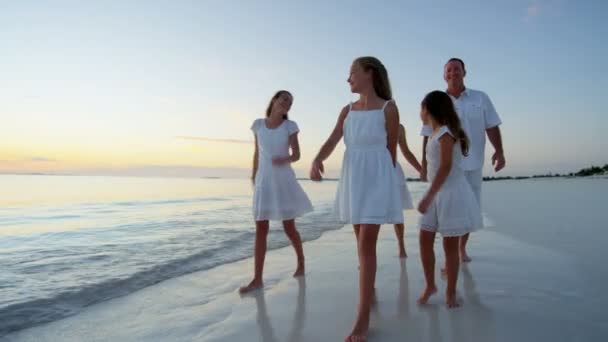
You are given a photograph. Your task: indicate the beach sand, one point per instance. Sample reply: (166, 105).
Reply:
(512, 291)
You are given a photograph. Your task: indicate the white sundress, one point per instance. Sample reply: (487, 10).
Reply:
(454, 210)
(277, 194)
(368, 190)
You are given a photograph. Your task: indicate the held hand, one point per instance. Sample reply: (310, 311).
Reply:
(424, 205)
(498, 160)
(316, 171)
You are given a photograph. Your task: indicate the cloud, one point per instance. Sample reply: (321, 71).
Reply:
(228, 141)
(533, 11)
(168, 171)
(41, 159)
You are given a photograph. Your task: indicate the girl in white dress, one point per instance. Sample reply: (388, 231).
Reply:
(368, 192)
(449, 206)
(406, 198)
(277, 194)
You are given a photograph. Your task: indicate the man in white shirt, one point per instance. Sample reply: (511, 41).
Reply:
(478, 118)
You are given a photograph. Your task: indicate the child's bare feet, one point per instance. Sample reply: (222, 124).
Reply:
(428, 292)
(359, 332)
(451, 301)
(356, 338)
(254, 285)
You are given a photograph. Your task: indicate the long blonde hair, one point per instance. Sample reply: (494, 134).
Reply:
(382, 85)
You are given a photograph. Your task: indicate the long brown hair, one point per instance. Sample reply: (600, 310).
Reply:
(382, 85)
(276, 96)
(439, 105)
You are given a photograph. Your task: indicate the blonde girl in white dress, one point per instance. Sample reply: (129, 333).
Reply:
(368, 191)
(277, 194)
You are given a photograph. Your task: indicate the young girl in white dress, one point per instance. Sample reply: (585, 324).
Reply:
(277, 194)
(406, 198)
(449, 206)
(368, 191)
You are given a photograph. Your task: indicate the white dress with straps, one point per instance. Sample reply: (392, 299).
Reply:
(368, 190)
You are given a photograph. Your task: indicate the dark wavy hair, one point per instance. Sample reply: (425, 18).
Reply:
(276, 96)
(440, 107)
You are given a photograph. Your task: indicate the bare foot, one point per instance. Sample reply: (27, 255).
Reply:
(254, 285)
(444, 271)
(299, 272)
(358, 334)
(464, 257)
(402, 254)
(451, 301)
(428, 292)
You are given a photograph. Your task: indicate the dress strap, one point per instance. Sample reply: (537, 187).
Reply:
(387, 102)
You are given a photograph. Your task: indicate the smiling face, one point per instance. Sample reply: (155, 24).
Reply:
(282, 104)
(359, 79)
(454, 73)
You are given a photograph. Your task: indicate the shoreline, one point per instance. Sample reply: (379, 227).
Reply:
(301, 179)
(519, 287)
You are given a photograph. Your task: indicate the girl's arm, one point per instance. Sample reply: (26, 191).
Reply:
(295, 152)
(423, 170)
(391, 113)
(254, 169)
(409, 156)
(446, 143)
(328, 147)
(295, 148)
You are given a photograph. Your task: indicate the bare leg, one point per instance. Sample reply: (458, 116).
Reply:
(399, 231)
(357, 228)
(368, 236)
(289, 226)
(450, 247)
(462, 248)
(261, 233)
(427, 256)
(464, 257)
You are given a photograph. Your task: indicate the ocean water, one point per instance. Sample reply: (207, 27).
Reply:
(67, 242)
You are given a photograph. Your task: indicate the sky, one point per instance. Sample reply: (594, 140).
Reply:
(170, 88)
